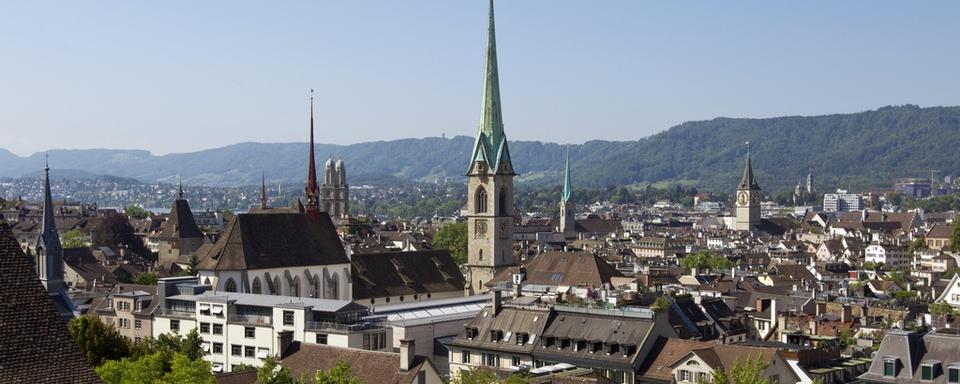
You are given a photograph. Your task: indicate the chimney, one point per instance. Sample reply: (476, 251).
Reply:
(284, 339)
(496, 303)
(773, 312)
(408, 354)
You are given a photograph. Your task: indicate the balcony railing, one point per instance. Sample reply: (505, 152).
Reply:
(251, 319)
(359, 326)
(175, 313)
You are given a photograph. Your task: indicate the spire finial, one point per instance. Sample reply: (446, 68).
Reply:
(46, 162)
(263, 190)
(180, 187)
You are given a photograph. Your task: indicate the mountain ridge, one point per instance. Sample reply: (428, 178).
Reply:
(867, 149)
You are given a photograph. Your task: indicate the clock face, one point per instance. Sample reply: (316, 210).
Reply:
(742, 198)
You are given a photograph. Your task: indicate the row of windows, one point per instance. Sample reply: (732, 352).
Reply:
(217, 329)
(480, 202)
(375, 341)
(125, 323)
(415, 297)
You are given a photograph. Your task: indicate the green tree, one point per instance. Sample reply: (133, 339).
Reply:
(97, 341)
(955, 237)
(147, 369)
(136, 212)
(184, 370)
(75, 239)
(146, 278)
(339, 374)
(747, 371)
(453, 237)
(113, 230)
(915, 245)
(661, 303)
(192, 345)
(475, 375)
(271, 372)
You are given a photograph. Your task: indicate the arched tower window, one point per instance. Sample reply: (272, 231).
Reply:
(502, 202)
(481, 254)
(333, 291)
(276, 285)
(230, 285)
(295, 289)
(480, 205)
(255, 286)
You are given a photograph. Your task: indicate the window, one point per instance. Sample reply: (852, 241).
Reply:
(137, 324)
(218, 329)
(953, 375)
(205, 309)
(684, 375)
(375, 341)
(926, 372)
(236, 350)
(502, 202)
(515, 361)
(249, 332)
(255, 287)
(175, 325)
(421, 378)
(322, 338)
(491, 360)
(287, 317)
(123, 323)
(522, 338)
(480, 204)
(217, 348)
(889, 367)
(249, 351)
(465, 357)
(109, 303)
(204, 327)
(702, 377)
(230, 286)
(137, 339)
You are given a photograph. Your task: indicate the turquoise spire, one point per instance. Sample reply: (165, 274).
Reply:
(491, 145)
(567, 185)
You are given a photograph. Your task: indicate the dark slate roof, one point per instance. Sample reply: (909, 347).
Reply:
(404, 273)
(510, 319)
(593, 224)
(563, 268)
(87, 266)
(275, 240)
(35, 346)
(913, 349)
(180, 224)
(595, 327)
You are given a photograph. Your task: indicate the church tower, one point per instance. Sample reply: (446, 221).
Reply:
(748, 199)
(489, 184)
(49, 253)
(311, 192)
(567, 223)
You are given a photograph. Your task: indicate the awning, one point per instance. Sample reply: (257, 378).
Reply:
(206, 347)
(218, 367)
(217, 309)
(563, 288)
(262, 353)
(204, 307)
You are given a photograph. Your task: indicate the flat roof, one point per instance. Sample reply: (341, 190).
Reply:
(323, 305)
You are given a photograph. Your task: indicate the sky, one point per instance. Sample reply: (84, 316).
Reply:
(180, 76)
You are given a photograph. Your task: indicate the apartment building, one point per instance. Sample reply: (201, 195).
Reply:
(890, 255)
(128, 307)
(245, 328)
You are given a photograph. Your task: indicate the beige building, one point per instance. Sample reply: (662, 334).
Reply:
(690, 361)
(128, 307)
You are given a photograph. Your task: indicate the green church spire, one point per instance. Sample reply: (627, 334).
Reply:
(567, 185)
(491, 145)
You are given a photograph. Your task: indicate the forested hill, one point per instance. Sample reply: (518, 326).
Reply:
(859, 149)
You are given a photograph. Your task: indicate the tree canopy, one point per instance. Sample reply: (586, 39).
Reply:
(453, 237)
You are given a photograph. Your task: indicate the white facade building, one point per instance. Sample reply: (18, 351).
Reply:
(842, 201)
(890, 255)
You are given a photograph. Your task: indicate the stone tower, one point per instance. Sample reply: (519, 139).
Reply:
(489, 184)
(335, 192)
(748, 200)
(567, 223)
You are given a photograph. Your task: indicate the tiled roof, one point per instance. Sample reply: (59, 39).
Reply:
(368, 366)
(404, 273)
(35, 346)
(180, 224)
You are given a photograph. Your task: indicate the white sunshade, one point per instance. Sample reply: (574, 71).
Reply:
(218, 367)
(565, 366)
(537, 371)
(262, 354)
(206, 347)
(217, 309)
(204, 307)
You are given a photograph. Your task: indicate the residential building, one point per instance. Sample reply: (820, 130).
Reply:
(842, 201)
(557, 272)
(689, 361)
(129, 308)
(938, 237)
(244, 328)
(890, 255)
(916, 358)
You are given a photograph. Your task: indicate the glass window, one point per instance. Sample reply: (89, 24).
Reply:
(175, 325)
(217, 348)
(137, 324)
(236, 350)
(249, 332)
(465, 357)
(889, 367)
(287, 317)
(204, 327)
(953, 375)
(515, 361)
(218, 329)
(249, 351)
(321, 338)
(926, 372)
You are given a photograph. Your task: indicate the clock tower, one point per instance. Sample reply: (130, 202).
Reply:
(489, 185)
(748, 200)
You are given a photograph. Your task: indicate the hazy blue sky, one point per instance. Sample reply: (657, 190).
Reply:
(176, 76)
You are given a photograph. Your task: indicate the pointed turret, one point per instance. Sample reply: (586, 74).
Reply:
(180, 187)
(748, 181)
(567, 184)
(312, 190)
(49, 253)
(491, 145)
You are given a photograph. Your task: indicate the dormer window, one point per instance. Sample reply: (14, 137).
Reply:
(522, 338)
(613, 348)
(579, 345)
(562, 342)
(596, 346)
(929, 369)
(890, 365)
(953, 374)
(495, 335)
(472, 333)
(548, 341)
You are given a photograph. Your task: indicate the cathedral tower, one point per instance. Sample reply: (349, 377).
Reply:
(567, 218)
(489, 184)
(311, 192)
(748, 200)
(49, 253)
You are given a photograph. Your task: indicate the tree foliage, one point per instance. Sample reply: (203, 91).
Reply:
(146, 278)
(340, 373)
(478, 375)
(955, 237)
(271, 372)
(453, 237)
(114, 230)
(703, 260)
(150, 369)
(74, 239)
(136, 212)
(97, 341)
(745, 371)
